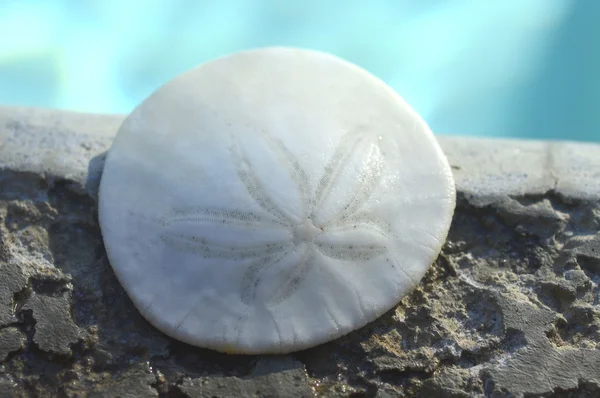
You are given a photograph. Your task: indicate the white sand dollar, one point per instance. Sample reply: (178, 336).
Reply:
(272, 200)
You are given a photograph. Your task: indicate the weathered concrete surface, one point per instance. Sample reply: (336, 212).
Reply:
(510, 308)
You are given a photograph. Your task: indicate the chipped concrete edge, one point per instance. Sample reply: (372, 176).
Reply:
(72, 145)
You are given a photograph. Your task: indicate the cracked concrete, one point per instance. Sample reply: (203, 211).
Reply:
(511, 307)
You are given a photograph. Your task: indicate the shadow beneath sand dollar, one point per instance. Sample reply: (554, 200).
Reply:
(98, 305)
(94, 174)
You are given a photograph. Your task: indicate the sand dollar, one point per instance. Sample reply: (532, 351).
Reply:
(272, 200)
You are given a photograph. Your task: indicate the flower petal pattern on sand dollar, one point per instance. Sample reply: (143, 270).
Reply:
(307, 234)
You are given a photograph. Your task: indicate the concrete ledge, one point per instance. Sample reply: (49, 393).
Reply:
(510, 308)
(71, 145)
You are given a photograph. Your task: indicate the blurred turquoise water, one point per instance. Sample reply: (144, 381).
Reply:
(514, 68)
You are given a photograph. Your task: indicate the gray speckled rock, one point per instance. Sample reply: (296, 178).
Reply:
(135, 382)
(11, 340)
(55, 331)
(270, 377)
(510, 308)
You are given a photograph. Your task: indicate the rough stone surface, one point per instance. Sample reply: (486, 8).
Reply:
(11, 340)
(270, 377)
(511, 308)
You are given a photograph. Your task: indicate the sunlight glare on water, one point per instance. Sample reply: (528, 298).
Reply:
(513, 68)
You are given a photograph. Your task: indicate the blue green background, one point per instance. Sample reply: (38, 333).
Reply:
(510, 68)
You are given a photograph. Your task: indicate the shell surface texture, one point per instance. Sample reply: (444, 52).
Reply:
(272, 200)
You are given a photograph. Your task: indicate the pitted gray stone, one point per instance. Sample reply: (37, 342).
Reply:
(11, 340)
